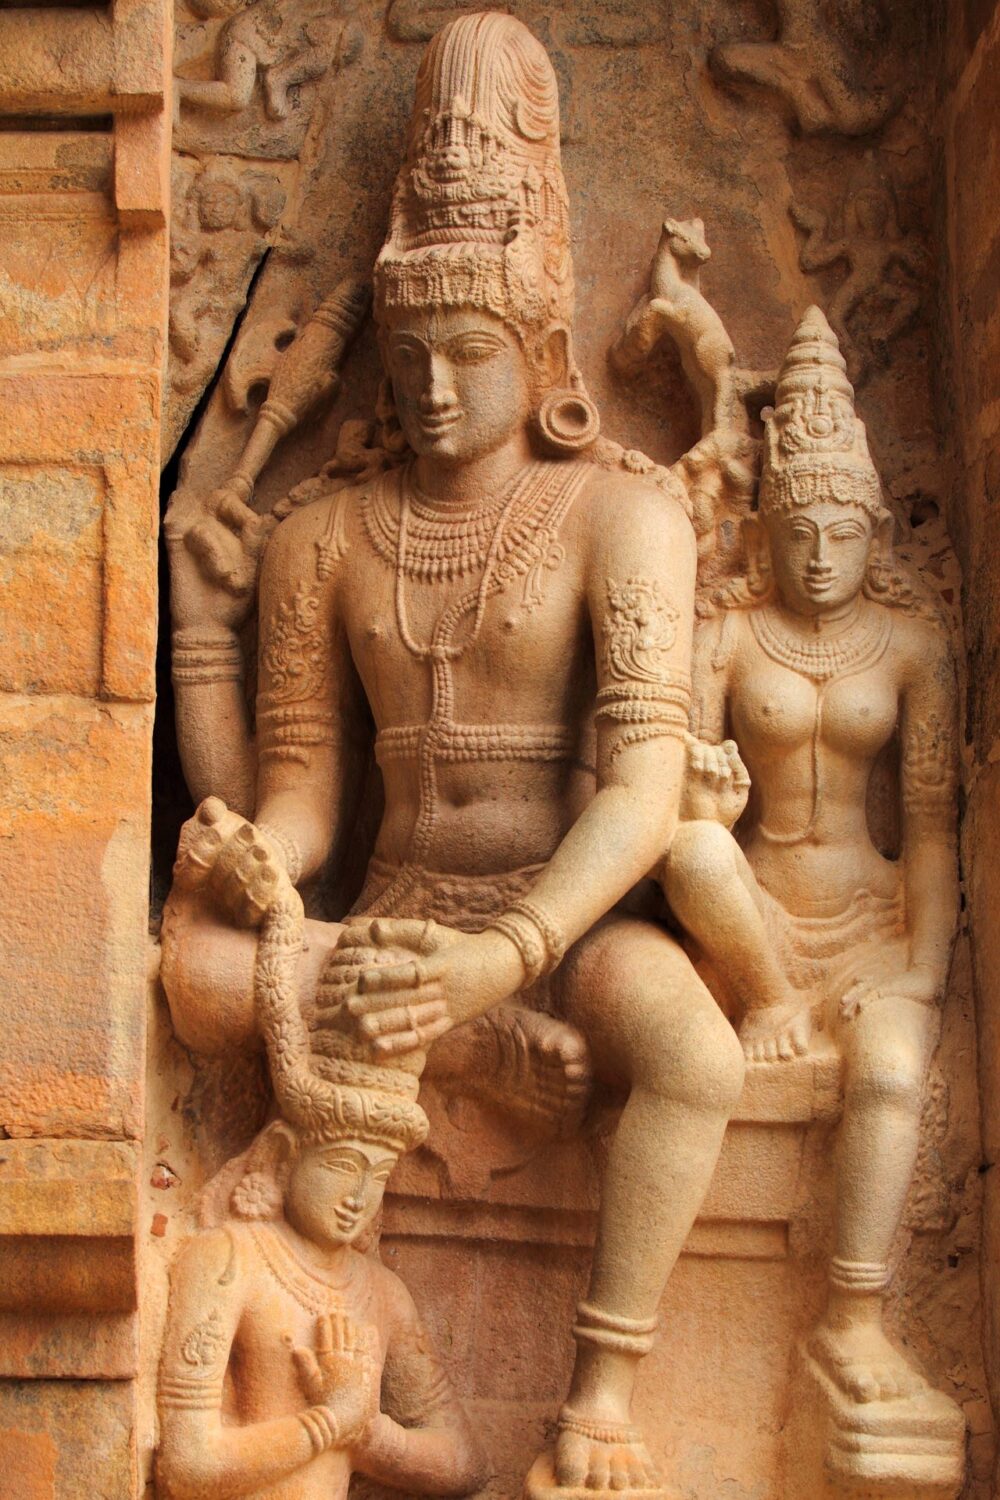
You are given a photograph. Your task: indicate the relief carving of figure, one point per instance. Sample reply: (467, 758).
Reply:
(821, 657)
(292, 1357)
(510, 610)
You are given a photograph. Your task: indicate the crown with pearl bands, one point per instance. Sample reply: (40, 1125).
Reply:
(815, 446)
(480, 213)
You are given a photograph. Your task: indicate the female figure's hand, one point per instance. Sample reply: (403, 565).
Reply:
(919, 983)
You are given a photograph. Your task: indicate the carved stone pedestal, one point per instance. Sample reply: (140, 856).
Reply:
(540, 1485)
(882, 1450)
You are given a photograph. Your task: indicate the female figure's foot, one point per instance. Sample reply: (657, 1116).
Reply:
(861, 1361)
(777, 1033)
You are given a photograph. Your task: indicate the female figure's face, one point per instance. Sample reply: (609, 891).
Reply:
(819, 555)
(334, 1191)
(461, 382)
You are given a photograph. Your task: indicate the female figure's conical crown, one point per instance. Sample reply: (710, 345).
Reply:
(815, 446)
(480, 210)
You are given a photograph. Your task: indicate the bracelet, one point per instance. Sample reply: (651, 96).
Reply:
(197, 656)
(535, 935)
(321, 1425)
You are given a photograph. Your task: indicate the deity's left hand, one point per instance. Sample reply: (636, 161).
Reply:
(919, 984)
(401, 1007)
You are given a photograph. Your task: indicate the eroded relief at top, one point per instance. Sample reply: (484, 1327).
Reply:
(596, 796)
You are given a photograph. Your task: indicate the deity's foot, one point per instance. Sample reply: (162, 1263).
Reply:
(594, 1460)
(526, 1062)
(863, 1364)
(777, 1033)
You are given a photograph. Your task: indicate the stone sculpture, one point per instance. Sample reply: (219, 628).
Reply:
(676, 307)
(286, 42)
(490, 563)
(879, 296)
(815, 660)
(277, 1317)
(827, 86)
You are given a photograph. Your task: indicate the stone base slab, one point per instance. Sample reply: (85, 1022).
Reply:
(839, 1449)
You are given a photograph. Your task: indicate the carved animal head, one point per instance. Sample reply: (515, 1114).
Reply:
(686, 239)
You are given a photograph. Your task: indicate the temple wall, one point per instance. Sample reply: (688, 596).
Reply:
(971, 135)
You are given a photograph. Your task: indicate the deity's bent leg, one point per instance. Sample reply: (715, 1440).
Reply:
(652, 1024)
(889, 1045)
(713, 894)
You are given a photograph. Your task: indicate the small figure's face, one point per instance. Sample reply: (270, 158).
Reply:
(334, 1191)
(820, 554)
(461, 382)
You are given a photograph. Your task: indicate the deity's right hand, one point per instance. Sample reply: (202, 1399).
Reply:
(238, 865)
(215, 547)
(339, 1374)
(716, 783)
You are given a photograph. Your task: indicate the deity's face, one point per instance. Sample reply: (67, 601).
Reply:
(819, 555)
(334, 1191)
(462, 384)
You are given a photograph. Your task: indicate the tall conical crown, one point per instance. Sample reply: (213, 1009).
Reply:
(815, 447)
(480, 210)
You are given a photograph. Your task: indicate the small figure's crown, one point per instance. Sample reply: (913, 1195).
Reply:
(480, 211)
(815, 446)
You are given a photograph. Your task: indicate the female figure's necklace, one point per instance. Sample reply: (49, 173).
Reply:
(822, 656)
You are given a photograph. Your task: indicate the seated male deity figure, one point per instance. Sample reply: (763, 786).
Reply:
(284, 1338)
(814, 662)
(516, 620)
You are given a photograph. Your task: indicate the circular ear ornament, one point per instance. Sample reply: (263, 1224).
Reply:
(568, 420)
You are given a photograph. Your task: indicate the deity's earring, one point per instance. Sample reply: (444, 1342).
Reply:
(758, 574)
(567, 419)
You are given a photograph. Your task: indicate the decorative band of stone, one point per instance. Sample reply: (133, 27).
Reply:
(290, 852)
(320, 1423)
(613, 1331)
(858, 1276)
(182, 1394)
(286, 731)
(534, 934)
(598, 1432)
(476, 742)
(197, 656)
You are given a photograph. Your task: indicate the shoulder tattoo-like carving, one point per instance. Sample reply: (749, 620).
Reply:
(296, 662)
(643, 694)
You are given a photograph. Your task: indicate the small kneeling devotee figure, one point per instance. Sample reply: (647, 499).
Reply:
(818, 661)
(292, 1356)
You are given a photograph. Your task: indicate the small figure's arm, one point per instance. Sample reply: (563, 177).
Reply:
(422, 1441)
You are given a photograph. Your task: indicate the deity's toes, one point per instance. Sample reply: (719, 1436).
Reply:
(865, 1366)
(585, 1468)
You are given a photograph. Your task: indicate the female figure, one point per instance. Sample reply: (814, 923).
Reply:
(819, 658)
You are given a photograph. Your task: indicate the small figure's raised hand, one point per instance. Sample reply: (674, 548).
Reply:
(339, 1373)
(716, 783)
(233, 859)
(920, 984)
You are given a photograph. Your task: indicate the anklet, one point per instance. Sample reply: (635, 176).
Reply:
(621, 1433)
(613, 1331)
(858, 1276)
